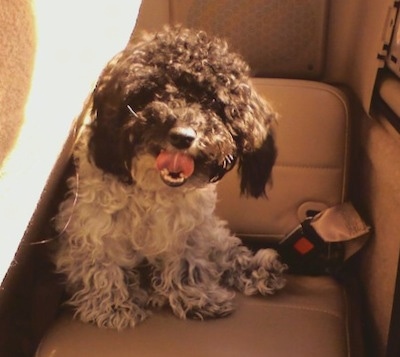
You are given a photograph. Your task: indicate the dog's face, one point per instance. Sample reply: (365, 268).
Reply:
(182, 99)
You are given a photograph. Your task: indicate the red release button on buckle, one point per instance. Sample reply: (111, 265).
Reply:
(303, 246)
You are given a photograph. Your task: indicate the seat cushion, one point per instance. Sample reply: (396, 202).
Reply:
(307, 318)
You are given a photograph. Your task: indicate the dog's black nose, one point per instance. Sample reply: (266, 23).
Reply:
(182, 137)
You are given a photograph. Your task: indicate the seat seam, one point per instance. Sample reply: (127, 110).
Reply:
(313, 167)
(305, 308)
(347, 322)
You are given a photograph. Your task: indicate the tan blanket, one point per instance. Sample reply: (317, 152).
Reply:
(17, 43)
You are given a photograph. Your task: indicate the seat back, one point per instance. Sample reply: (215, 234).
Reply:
(279, 38)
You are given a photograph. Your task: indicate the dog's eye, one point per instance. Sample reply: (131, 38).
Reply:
(218, 107)
(234, 112)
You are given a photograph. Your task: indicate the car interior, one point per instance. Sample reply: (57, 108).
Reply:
(329, 68)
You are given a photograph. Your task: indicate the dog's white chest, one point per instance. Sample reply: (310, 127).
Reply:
(158, 221)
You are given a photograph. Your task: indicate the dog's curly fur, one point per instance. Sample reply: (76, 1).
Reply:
(171, 113)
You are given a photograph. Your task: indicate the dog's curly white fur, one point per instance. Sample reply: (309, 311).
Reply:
(170, 115)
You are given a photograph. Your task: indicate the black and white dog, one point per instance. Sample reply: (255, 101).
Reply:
(171, 114)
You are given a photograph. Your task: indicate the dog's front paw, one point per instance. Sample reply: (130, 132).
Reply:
(157, 301)
(203, 304)
(266, 274)
(114, 317)
(210, 311)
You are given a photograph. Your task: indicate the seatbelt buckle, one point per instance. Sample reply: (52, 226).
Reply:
(322, 243)
(305, 252)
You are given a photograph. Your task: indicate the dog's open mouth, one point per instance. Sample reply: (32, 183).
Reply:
(174, 167)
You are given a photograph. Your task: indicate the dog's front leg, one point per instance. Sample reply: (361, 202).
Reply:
(104, 293)
(263, 273)
(250, 273)
(191, 287)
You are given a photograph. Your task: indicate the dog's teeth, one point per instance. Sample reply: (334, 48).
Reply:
(172, 178)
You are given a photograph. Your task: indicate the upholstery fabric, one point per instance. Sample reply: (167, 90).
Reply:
(280, 38)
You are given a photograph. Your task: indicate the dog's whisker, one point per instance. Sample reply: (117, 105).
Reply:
(63, 230)
(132, 111)
(214, 179)
(228, 162)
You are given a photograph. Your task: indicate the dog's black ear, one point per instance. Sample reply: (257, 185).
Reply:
(109, 148)
(255, 168)
(111, 142)
(250, 119)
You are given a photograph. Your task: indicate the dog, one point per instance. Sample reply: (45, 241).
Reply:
(170, 115)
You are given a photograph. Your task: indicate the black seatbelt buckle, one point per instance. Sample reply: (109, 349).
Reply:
(305, 252)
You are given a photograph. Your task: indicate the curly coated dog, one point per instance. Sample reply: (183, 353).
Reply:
(170, 115)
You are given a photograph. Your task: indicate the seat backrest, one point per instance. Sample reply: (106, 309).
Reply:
(279, 38)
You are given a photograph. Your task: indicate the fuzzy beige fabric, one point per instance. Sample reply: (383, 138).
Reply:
(17, 43)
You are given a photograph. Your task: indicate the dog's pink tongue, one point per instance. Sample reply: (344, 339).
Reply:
(175, 162)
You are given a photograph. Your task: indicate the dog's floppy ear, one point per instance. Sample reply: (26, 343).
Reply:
(251, 119)
(111, 141)
(109, 147)
(255, 168)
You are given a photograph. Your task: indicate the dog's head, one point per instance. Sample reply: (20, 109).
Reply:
(182, 98)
